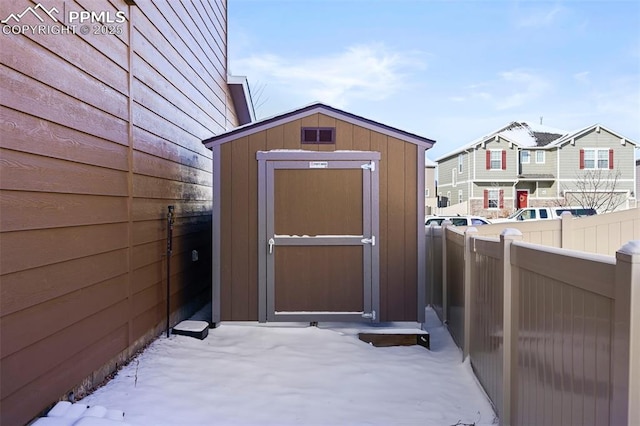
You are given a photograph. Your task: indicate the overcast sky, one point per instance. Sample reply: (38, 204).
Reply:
(448, 70)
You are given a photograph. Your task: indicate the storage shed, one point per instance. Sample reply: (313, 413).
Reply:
(318, 215)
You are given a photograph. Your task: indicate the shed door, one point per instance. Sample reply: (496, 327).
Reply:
(320, 240)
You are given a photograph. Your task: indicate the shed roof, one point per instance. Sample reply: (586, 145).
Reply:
(311, 109)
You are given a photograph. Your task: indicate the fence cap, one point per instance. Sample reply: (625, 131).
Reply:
(507, 232)
(631, 248)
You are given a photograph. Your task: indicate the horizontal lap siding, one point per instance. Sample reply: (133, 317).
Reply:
(87, 171)
(239, 214)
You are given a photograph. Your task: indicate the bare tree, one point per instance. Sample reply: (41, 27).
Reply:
(595, 189)
(258, 95)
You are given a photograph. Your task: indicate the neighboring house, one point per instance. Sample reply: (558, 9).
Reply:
(524, 164)
(100, 134)
(430, 195)
(637, 178)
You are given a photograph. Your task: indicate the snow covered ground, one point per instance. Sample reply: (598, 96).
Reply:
(279, 374)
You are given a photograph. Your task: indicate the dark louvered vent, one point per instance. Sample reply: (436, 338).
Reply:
(318, 135)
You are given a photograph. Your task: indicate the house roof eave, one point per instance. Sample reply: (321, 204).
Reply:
(241, 96)
(577, 133)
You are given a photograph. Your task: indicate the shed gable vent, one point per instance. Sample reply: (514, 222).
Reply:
(318, 135)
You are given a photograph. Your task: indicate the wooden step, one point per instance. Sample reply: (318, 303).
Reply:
(197, 329)
(389, 338)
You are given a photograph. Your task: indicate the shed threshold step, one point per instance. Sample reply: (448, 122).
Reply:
(390, 338)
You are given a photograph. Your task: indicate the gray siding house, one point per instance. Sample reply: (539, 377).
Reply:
(430, 194)
(524, 164)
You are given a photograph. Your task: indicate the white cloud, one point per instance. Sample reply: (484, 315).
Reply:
(582, 77)
(521, 87)
(540, 17)
(369, 72)
(509, 90)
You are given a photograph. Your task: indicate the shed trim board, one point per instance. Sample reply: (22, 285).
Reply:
(388, 295)
(332, 112)
(269, 241)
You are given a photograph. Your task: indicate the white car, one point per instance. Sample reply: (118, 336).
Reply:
(457, 220)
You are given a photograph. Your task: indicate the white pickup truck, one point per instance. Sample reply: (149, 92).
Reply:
(537, 213)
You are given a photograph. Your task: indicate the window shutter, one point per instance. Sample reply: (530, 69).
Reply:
(611, 159)
(488, 160)
(501, 201)
(504, 160)
(582, 159)
(486, 198)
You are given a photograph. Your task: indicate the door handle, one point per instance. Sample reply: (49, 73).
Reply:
(272, 242)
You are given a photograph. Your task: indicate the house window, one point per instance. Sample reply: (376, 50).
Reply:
(453, 178)
(493, 199)
(525, 156)
(460, 196)
(596, 158)
(539, 157)
(318, 135)
(426, 193)
(496, 159)
(460, 163)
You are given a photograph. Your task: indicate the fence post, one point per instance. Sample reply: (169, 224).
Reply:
(566, 230)
(625, 398)
(468, 288)
(445, 295)
(511, 294)
(431, 260)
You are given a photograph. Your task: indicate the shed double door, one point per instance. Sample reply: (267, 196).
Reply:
(320, 253)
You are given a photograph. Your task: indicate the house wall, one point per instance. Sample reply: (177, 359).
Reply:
(99, 134)
(637, 178)
(550, 165)
(482, 174)
(398, 209)
(430, 202)
(623, 159)
(446, 169)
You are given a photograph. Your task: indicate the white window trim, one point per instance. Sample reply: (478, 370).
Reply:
(460, 163)
(491, 160)
(454, 182)
(460, 199)
(595, 158)
(528, 156)
(543, 157)
(497, 199)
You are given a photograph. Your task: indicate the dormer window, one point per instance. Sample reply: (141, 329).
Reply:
(318, 135)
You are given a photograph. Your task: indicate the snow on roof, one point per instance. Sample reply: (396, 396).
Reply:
(522, 133)
(531, 135)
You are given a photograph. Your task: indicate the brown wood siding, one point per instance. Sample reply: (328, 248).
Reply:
(398, 210)
(99, 135)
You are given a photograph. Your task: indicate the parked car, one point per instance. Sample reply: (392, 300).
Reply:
(536, 213)
(457, 220)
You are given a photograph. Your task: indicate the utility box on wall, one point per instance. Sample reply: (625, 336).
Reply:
(318, 215)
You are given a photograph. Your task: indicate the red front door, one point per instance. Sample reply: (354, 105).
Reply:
(523, 199)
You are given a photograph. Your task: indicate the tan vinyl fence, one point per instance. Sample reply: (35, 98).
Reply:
(553, 335)
(602, 234)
